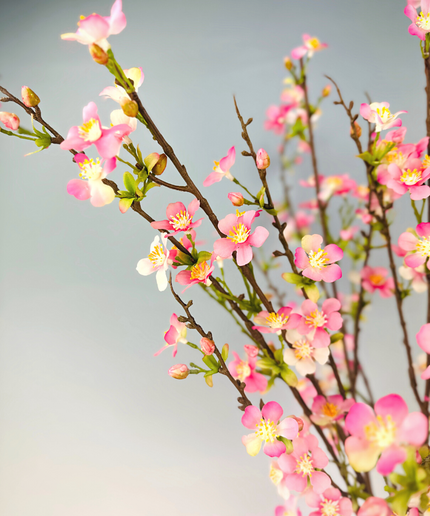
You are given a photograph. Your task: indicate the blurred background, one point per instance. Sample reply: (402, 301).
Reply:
(90, 422)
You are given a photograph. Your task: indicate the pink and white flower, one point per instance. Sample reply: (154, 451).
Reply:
(199, 273)
(377, 438)
(158, 261)
(179, 218)
(302, 354)
(222, 168)
(335, 185)
(289, 508)
(310, 46)
(317, 263)
(374, 506)
(244, 370)
(420, 25)
(107, 141)
(417, 245)
(307, 390)
(315, 320)
(378, 113)
(275, 322)
(267, 428)
(276, 118)
(329, 503)
(423, 340)
(417, 276)
(10, 120)
(409, 178)
(347, 234)
(91, 185)
(239, 237)
(330, 409)
(96, 29)
(375, 278)
(301, 464)
(177, 333)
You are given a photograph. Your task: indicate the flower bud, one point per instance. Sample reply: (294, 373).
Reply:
(224, 351)
(129, 107)
(263, 160)
(357, 130)
(98, 54)
(29, 98)
(151, 160)
(288, 63)
(179, 371)
(326, 90)
(236, 198)
(209, 380)
(252, 351)
(10, 120)
(160, 166)
(207, 345)
(300, 422)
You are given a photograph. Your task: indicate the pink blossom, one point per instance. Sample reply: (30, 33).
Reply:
(277, 477)
(374, 506)
(222, 168)
(267, 428)
(302, 354)
(420, 25)
(158, 261)
(244, 370)
(375, 278)
(381, 436)
(239, 237)
(10, 120)
(410, 178)
(423, 340)
(179, 218)
(396, 135)
(289, 508)
(292, 97)
(301, 464)
(275, 322)
(207, 346)
(91, 185)
(379, 114)
(198, 273)
(177, 333)
(330, 409)
(417, 245)
(262, 159)
(316, 321)
(307, 390)
(311, 45)
(348, 233)
(330, 502)
(96, 29)
(301, 223)
(276, 118)
(107, 141)
(336, 185)
(179, 371)
(417, 276)
(317, 263)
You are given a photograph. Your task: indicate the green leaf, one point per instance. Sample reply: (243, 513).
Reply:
(203, 256)
(312, 292)
(211, 362)
(367, 157)
(124, 204)
(224, 352)
(290, 277)
(288, 444)
(129, 182)
(289, 376)
(335, 337)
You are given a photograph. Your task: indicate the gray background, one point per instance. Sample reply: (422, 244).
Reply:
(90, 422)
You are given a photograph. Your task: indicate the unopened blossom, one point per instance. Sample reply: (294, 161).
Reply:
(329, 503)
(378, 113)
(237, 228)
(179, 371)
(207, 346)
(267, 427)
(289, 508)
(91, 186)
(318, 263)
(330, 409)
(96, 29)
(245, 370)
(158, 261)
(275, 322)
(222, 168)
(29, 98)
(177, 333)
(107, 141)
(10, 120)
(179, 218)
(376, 278)
(236, 198)
(303, 355)
(423, 341)
(198, 273)
(378, 437)
(417, 276)
(302, 464)
(262, 159)
(410, 178)
(374, 506)
(420, 25)
(317, 321)
(310, 46)
(417, 245)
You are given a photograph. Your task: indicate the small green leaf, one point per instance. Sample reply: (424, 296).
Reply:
(312, 292)
(124, 204)
(367, 157)
(289, 376)
(204, 256)
(290, 277)
(211, 362)
(336, 336)
(129, 182)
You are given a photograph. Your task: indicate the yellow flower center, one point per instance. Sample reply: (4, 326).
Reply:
(157, 256)
(411, 177)
(318, 259)
(181, 220)
(90, 169)
(314, 43)
(239, 213)
(302, 349)
(243, 370)
(385, 114)
(304, 466)
(275, 475)
(423, 246)
(423, 21)
(376, 279)
(382, 433)
(276, 320)
(316, 319)
(267, 430)
(90, 131)
(200, 271)
(426, 161)
(239, 234)
(334, 182)
(329, 507)
(330, 410)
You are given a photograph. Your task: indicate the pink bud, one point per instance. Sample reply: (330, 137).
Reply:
(263, 160)
(300, 422)
(251, 351)
(236, 198)
(207, 345)
(10, 120)
(179, 371)
(29, 98)
(160, 166)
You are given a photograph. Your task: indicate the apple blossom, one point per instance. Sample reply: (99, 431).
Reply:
(417, 245)
(275, 322)
(276, 118)
(374, 506)
(417, 276)
(375, 278)
(423, 340)
(289, 508)
(177, 333)
(244, 370)
(302, 354)
(310, 46)
(329, 503)
(315, 320)
(222, 168)
(330, 409)
(179, 218)
(158, 261)
(198, 273)
(318, 264)
(420, 25)
(379, 114)
(409, 178)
